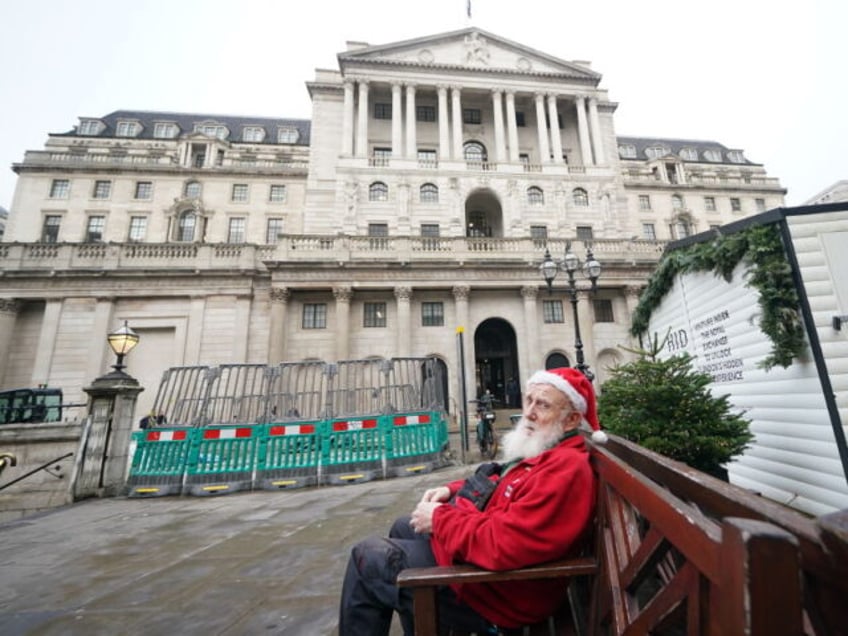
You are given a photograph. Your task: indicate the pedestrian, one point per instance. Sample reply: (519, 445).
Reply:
(535, 507)
(513, 392)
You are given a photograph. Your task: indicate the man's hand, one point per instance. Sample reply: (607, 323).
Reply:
(442, 493)
(422, 516)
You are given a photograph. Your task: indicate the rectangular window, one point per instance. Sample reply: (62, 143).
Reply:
(163, 130)
(253, 133)
(648, 232)
(378, 233)
(584, 233)
(552, 311)
(50, 231)
(425, 113)
(735, 204)
(645, 202)
(471, 116)
(239, 192)
(430, 230)
(60, 188)
(374, 315)
(427, 159)
(236, 230)
(273, 231)
(520, 121)
(89, 127)
(143, 189)
(539, 234)
(709, 204)
(381, 156)
(314, 316)
(382, 111)
(125, 129)
(761, 205)
(102, 189)
(603, 310)
(277, 194)
(432, 314)
(94, 228)
(138, 228)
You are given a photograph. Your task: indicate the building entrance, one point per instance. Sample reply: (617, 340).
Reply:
(496, 361)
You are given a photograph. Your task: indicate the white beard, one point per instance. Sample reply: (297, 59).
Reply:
(525, 441)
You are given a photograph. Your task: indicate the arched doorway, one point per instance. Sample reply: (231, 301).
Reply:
(495, 358)
(483, 215)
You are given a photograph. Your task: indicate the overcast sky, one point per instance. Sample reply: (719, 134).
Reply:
(766, 77)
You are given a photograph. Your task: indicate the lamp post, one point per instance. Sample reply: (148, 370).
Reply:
(570, 264)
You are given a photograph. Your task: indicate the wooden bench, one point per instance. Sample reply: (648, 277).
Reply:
(677, 551)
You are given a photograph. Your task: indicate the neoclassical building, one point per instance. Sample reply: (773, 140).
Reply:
(419, 199)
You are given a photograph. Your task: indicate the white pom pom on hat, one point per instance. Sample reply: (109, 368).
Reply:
(578, 390)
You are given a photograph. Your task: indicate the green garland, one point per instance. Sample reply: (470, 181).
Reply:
(768, 272)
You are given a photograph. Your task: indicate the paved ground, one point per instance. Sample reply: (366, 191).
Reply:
(239, 564)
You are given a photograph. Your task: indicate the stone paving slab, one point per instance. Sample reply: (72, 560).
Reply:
(239, 564)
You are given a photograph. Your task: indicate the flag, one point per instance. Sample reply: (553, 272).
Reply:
(468, 8)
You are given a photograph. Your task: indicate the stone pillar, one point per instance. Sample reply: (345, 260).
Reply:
(362, 121)
(241, 328)
(583, 131)
(111, 411)
(511, 128)
(9, 309)
(556, 139)
(343, 296)
(411, 142)
(500, 141)
(594, 122)
(531, 357)
(444, 129)
(196, 311)
(277, 329)
(544, 150)
(397, 121)
(456, 123)
(99, 347)
(46, 342)
(403, 295)
(347, 119)
(460, 295)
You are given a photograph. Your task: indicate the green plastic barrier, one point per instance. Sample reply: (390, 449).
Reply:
(352, 450)
(414, 442)
(159, 462)
(222, 460)
(289, 455)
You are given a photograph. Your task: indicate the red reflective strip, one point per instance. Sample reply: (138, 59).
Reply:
(369, 424)
(307, 429)
(277, 430)
(211, 433)
(244, 432)
(339, 426)
(152, 436)
(423, 419)
(400, 420)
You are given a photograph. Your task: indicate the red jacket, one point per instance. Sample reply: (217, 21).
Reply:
(539, 512)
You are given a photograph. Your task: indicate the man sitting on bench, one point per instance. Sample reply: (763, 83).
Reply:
(533, 508)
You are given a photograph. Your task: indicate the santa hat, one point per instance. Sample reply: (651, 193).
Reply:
(578, 390)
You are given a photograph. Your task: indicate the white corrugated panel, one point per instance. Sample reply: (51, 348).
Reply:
(794, 457)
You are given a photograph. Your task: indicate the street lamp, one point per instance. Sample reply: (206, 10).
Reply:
(122, 341)
(570, 264)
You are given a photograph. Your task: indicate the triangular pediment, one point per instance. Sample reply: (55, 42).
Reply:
(472, 49)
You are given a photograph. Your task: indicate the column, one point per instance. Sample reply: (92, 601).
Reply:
(362, 121)
(411, 143)
(556, 139)
(456, 123)
(100, 354)
(397, 121)
(587, 331)
(277, 329)
(583, 131)
(46, 342)
(342, 296)
(403, 295)
(347, 119)
(460, 295)
(594, 122)
(9, 309)
(631, 300)
(241, 327)
(444, 130)
(512, 130)
(500, 142)
(195, 330)
(531, 356)
(544, 150)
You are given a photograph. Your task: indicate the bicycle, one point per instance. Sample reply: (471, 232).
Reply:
(487, 441)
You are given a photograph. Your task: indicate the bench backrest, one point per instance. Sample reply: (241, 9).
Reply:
(680, 548)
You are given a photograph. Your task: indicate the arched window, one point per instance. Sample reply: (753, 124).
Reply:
(185, 226)
(581, 197)
(428, 193)
(556, 361)
(535, 196)
(378, 191)
(657, 151)
(627, 151)
(193, 190)
(474, 151)
(689, 154)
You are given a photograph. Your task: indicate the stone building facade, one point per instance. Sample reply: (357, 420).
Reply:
(419, 199)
